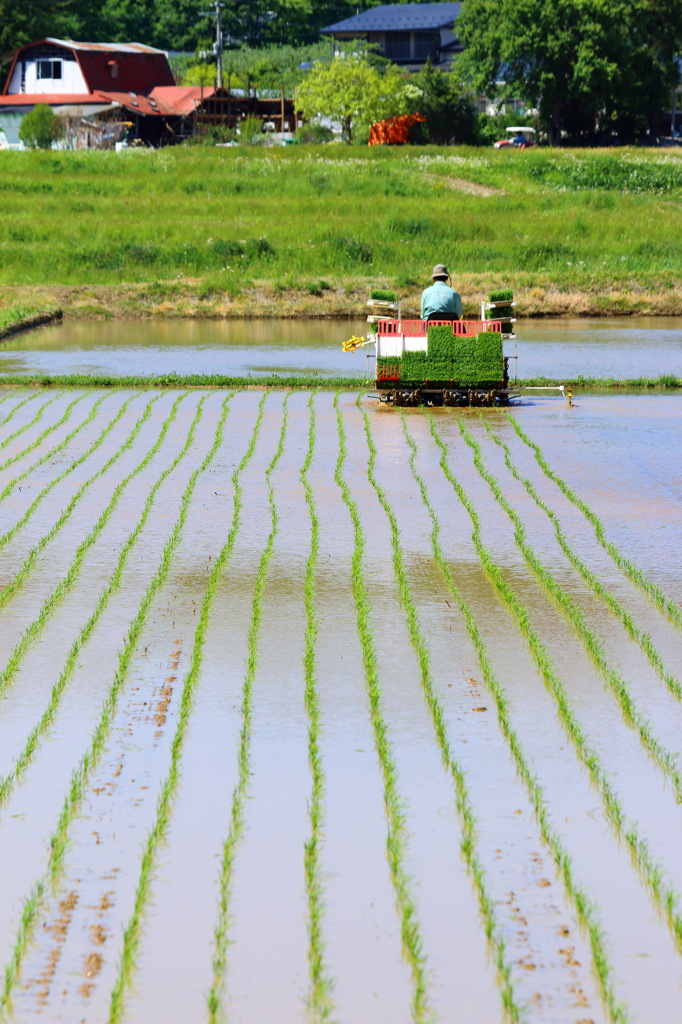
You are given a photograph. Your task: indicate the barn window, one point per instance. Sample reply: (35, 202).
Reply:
(113, 68)
(49, 69)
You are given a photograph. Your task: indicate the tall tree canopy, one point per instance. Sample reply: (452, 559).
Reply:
(354, 91)
(583, 63)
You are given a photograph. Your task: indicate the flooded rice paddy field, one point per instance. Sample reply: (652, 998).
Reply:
(632, 347)
(315, 710)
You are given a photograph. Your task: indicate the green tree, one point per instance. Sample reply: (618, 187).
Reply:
(41, 127)
(449, 108)
(583, 63)
(22, 23)
(355, 92)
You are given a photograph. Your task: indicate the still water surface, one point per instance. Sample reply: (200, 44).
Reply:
(634, 347)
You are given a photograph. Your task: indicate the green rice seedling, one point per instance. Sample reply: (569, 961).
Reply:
(15, 408)
(468, 843)
(414, 366)
(664, 896)
(501, 295)
(440, 363)
(5, 537)
(396, 841)
(31, 557)
(643, 639)
(164, 807)
(383, 295)
(662, 601)
(585, 908)
(319, 998)
(51, 602)
(38, 416)
(663, 758)
(216, 995)
(489, 356)
(5, 398)
(7, 783)
(41, 437)
(58, 841)
(58, 448)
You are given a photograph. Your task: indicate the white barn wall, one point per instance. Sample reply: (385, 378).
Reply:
(72, 80)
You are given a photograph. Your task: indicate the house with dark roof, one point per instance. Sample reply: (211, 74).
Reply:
(130, 82)
(407, 34)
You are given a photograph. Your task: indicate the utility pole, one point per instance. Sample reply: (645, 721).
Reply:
(218, 45)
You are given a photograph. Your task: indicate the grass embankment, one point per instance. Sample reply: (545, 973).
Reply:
(14, 319)
(665, 381)
(212, 233)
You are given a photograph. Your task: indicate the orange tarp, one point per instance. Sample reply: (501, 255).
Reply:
(395, 131)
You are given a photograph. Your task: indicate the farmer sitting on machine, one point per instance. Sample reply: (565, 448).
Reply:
(440, 302)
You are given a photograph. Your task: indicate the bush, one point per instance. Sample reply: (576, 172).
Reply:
(313, 134)
(41, 127)
(352, 251)
(251, 131)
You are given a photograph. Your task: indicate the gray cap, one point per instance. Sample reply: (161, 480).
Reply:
(440, 270)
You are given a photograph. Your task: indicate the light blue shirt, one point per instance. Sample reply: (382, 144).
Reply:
(440, 298)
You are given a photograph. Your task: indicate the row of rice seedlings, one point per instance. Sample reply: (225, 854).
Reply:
(7, 536)
(10, 393)
(396, 840)
(51, 602)
(663, 758)
(643, 639)
(662, 601)
(58, 448)
(164, 806)
(31, 745)
(586, 910)
(664, 896)
(58, 841)
(20, 430)
(15, 409)
(41, 437)
(319, 999)
(468, 844)
(31, 557)
(216, 994)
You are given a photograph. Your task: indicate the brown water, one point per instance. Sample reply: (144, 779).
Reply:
(632, 347)
(614, 451)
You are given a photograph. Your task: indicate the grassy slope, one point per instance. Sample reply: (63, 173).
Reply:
(175, 232)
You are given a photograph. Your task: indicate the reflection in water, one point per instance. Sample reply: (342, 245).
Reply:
(637, 347)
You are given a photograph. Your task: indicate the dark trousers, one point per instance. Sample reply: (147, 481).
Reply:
(441, 316)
